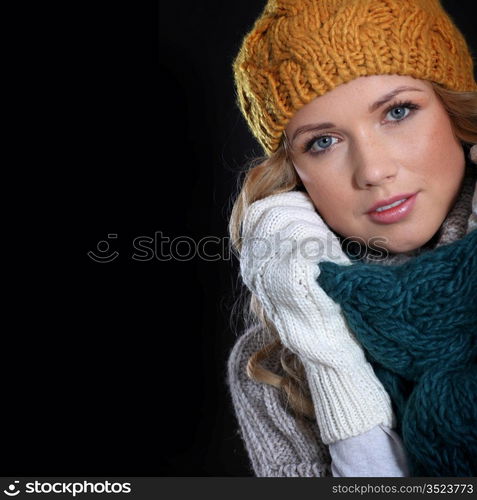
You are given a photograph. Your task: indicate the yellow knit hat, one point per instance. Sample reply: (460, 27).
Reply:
(300, 49)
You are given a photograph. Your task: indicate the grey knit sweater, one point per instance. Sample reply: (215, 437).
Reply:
(277, 444)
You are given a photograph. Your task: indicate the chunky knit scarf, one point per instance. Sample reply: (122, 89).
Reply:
(417, 321)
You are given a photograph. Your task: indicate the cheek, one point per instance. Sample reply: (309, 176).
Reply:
(332, 199)
(435, 151)
(314, 185)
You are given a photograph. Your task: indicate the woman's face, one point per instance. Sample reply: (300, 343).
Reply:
(372, 143)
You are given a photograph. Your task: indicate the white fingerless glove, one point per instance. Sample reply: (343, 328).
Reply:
(284, 239)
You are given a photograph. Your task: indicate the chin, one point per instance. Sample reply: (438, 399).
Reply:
(406, 246)
(408, 237)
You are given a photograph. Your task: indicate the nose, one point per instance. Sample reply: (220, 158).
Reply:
(373, 162)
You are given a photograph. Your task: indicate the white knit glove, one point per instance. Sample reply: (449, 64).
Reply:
(284, 239)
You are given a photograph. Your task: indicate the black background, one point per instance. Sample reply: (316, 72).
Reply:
(119, 368)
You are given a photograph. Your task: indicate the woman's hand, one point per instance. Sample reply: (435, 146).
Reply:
(284, 239)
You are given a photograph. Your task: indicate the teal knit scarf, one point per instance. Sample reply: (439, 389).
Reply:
(418, 325)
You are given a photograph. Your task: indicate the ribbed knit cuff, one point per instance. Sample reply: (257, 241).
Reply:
(347, 403)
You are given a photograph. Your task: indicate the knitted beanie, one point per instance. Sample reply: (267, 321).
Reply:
(301, 49)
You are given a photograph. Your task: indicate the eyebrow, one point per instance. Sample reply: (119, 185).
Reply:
(386, 98)
(373, 107)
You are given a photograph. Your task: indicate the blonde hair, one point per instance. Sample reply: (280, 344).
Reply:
(276, 174)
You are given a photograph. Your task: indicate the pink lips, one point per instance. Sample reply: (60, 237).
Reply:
(394, 214)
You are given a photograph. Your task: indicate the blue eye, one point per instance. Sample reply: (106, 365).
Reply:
(399, 112)
(320, 144)
(395, 114)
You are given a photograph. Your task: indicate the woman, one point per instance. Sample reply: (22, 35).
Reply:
(366, 112)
